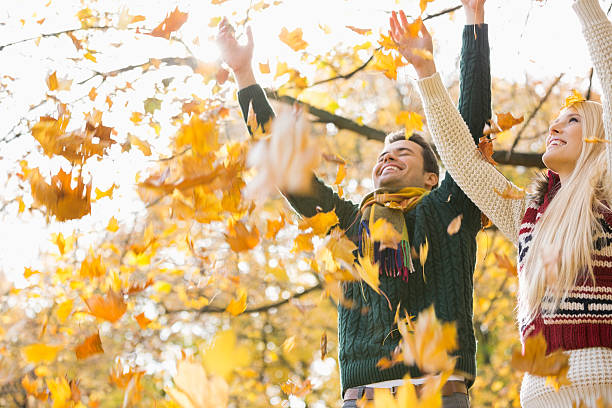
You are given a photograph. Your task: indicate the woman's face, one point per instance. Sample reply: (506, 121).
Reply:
(564, 142)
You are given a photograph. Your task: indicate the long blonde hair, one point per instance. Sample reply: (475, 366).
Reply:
(568, 226)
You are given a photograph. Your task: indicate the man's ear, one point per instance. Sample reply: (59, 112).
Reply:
(430, 180)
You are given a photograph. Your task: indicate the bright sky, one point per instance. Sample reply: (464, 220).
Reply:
(538, 39)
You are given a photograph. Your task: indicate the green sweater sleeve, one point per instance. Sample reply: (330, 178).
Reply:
(322, 197)
(474, 106)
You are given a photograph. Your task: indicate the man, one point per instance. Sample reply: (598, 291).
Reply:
(407, 168)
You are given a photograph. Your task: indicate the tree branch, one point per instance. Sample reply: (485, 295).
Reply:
(501, 157)
(531, 116)
(443, 12)
(259, 309)
(345, 76)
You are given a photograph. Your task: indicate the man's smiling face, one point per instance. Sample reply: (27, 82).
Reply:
(400, 165)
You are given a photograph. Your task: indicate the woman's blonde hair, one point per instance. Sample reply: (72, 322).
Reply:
(560, 254)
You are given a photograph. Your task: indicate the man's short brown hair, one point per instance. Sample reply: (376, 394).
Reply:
(430, 162)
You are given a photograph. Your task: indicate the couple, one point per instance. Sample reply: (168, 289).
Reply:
(563, 231)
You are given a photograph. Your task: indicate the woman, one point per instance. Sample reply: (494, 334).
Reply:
(563, 231)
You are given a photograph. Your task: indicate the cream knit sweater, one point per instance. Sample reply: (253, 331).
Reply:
(590, 369)
(479, 179)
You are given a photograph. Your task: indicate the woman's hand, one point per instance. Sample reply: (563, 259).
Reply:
(417, 49)
(474, 11)
(237, 57)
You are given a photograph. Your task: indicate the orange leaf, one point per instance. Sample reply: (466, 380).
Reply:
(264, 68)
(341, 173)
(415, 27)
(412, 121)
(108, 193)
(511, 193)
(505, 263)
(273, 226)
(63, 201)
(485, 147)
(293, 39)
(90, 57)
(38, 353)
(171, 23)
(454, 225)
(92, 345)
(320, 222)
(143, 322)
(423, 4)
(111, 307)
(368, 272)
(383, 232)
(506, 121)
(52, 81)
(240, 238)
(93, 94)
(361, 31)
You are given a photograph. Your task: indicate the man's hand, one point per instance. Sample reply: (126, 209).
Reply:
(474, 11)
(415, 49)
(237, 57)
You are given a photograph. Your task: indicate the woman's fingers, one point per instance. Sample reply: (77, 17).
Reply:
(405, 23)
(425, 32)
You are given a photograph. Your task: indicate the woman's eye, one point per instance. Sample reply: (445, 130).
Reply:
(573, 119)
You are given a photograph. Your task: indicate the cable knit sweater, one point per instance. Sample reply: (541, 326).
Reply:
(583, 323)
(366, 329)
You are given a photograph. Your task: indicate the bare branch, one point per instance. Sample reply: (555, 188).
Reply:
(259, 309)
(531, 116)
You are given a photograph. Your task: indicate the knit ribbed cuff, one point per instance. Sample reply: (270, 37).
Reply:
(476, 37)
(432, 89)
(250, 92)
(589, 12)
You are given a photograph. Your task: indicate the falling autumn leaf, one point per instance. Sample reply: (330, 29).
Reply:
(575, 97)
(385, 233)
(411, 121)
(485, 147)
(113, 225)
(60, 391)
(222, 356)
(142, 321)
(193, 388)
(40, 353)
(293, 39)
(110, 307)
(238, 306)
(273, 226)
(323, 345)
(108, 193)
(171, 23)
(596, 140)
(298, 390)
(423, 4)
(61, 200)
(506, 264)
(240, 238)
(63, 310)
(536, 361)
(511, 193)
(368, 272)
(360, 31)
(429, 343)
(264, 68)
(506, 121)
(454, 225)
(320, 222)
(90, 346)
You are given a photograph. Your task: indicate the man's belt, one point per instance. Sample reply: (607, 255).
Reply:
(448, 389)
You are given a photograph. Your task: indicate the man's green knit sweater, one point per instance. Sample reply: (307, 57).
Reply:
(366, 330)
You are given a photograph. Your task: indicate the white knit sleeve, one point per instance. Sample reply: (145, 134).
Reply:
(597, 31)
(477, 178)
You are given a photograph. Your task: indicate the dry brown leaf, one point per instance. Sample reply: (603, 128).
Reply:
(61, 200)
(171, 23)
(506, 264)
(485, 147)
(240, 238)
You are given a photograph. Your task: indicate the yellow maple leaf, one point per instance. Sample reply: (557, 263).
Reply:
(60, 392)
(223, 356)
(368, 272)
(320, 222)
(575, 97)
(412, 121)
(92, 266)
(385, 233)
(264, 68)
(423, 4)
(293, 38)
(536, 361)
(108, 193)
(142, 145)
(40, 353)
(52, 81)
(201, 135)
(63, 310)
(273, 226)
(238, 305)
(61, 200)
(341, 174)
(385, 63)
(113, 225)
(429, 344)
